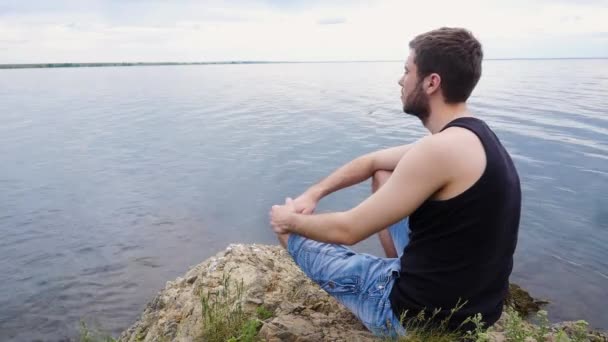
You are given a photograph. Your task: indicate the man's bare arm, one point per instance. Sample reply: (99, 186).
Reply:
(419, 174)
(354, 172)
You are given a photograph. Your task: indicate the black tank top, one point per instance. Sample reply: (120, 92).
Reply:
(462, 248)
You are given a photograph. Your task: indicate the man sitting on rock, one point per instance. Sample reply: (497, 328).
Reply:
(451, 202)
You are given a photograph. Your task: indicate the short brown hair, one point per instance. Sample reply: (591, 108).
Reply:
(455, 55)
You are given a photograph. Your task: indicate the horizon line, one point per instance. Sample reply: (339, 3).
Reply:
(109, 64)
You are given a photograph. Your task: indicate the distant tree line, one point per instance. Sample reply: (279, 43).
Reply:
(79, 65)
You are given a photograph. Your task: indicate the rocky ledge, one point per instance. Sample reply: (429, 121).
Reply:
(285, 304)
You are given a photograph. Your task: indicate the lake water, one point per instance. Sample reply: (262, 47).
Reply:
(116, 180)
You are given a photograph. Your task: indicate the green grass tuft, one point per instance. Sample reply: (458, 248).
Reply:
(223, 315)
(93, 335)
(224, 318)
(421, 329)
(263, 313)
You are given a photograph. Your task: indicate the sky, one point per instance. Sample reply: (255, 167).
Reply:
(56, 31)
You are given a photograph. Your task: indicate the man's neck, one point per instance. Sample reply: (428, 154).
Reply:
(444, 114)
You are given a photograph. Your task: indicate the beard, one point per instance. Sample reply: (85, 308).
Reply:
(417, 104)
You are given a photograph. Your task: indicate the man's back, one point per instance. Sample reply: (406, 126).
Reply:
(463, 238)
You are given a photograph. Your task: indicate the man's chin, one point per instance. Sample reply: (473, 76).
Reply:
(410, 112)
(422, 117)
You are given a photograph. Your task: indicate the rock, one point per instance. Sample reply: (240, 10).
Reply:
(301, 310)
(521, 301)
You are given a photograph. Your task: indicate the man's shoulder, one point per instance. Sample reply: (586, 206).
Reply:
(447, 142)
(433, 150)
(452, 150)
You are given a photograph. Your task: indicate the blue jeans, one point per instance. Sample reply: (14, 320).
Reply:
(359, 281)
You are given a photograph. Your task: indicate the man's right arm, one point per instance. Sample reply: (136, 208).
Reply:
(354, 172)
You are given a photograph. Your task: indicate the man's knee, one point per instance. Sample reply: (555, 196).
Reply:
(379, 178)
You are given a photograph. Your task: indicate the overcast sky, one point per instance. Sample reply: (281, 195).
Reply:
(289, 30)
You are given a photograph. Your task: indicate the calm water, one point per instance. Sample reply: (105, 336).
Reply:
(115, 180)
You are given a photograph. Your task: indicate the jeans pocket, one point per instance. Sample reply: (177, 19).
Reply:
(342, 285)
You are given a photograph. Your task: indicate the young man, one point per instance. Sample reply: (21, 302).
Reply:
(451, 202)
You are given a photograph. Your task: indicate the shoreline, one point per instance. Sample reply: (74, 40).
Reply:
(8, 66)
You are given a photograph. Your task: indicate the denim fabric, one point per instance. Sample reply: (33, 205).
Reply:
(359, 281)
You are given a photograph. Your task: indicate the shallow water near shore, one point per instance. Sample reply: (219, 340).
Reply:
(116, 180)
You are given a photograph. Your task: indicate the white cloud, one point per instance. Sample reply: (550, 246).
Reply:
(277, 30)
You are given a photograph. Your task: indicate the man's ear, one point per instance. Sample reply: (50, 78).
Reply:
(434, 83)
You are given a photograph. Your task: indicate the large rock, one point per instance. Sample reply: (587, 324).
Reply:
(301, 310)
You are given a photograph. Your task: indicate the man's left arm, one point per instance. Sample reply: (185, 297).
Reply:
(420, 173)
